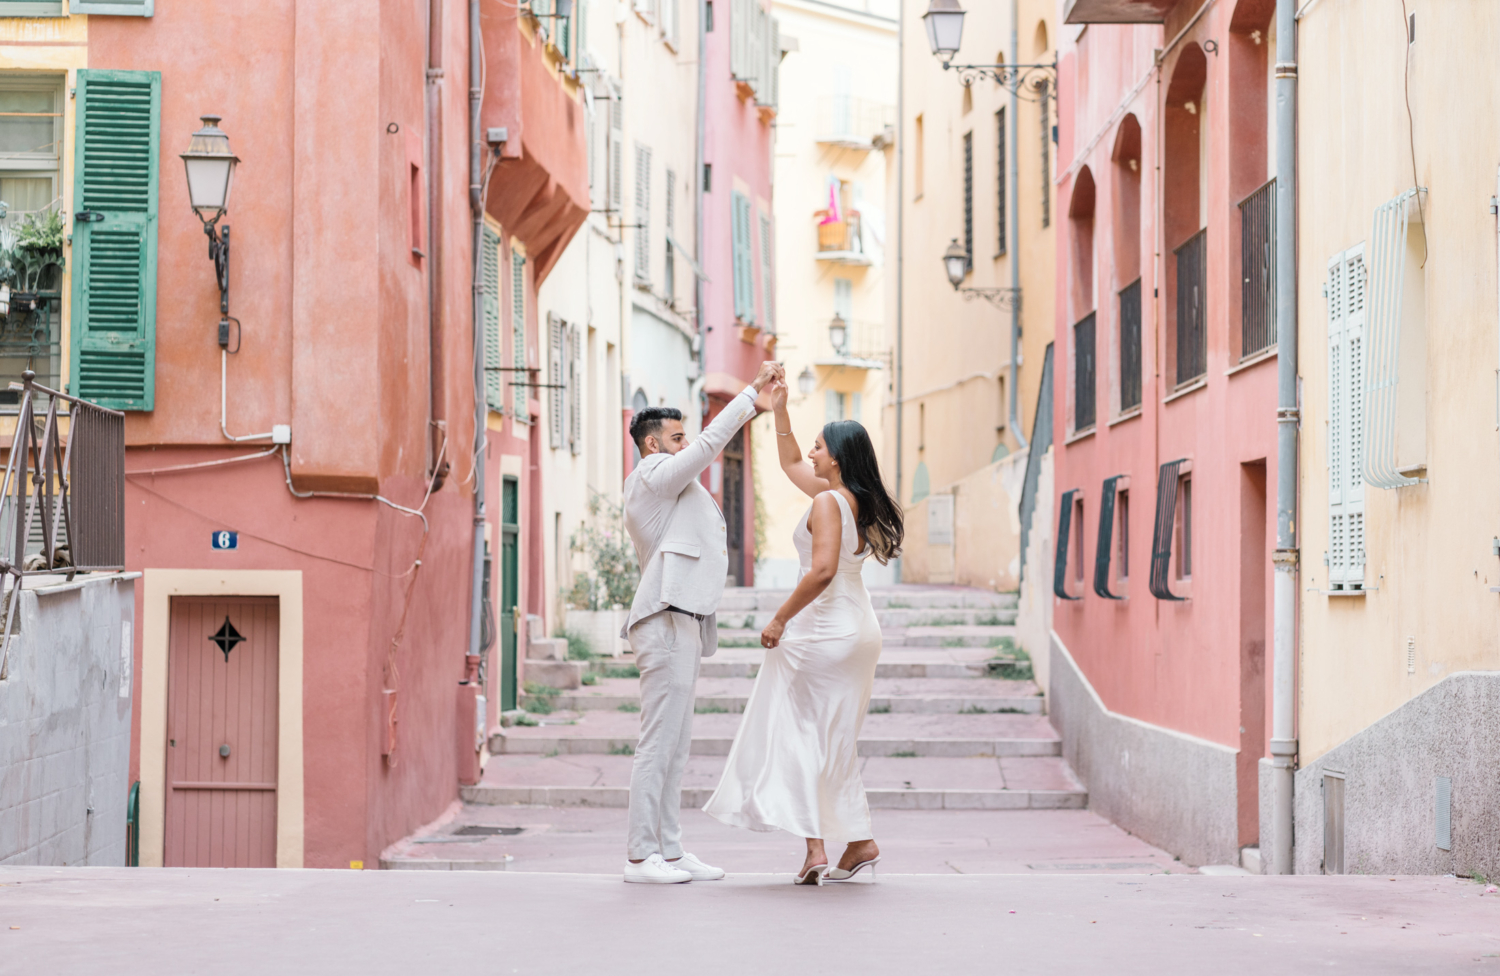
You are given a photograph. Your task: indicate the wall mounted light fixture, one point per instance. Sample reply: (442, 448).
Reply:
(210, 175)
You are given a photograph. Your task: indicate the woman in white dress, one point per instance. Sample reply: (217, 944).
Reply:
(794, 765)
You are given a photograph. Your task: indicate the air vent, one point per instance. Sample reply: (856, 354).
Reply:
(1411, 655)
(1333, 823)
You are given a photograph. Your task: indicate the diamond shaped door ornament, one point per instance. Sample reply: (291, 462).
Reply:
(226, 637)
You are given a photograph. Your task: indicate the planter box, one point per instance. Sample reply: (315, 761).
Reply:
(601, 628)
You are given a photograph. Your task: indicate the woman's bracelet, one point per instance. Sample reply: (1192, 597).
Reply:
(782, 433)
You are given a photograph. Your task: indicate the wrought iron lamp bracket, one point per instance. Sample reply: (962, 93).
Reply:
(1032, 82)
(218, 253)
(1004, 298)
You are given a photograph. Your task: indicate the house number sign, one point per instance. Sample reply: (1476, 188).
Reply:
(224, 539)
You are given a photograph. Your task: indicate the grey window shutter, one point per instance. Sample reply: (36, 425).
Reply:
(768, 298)
(556, 376)
(575, 390)
(616, 149)
(118, 8)
(643, 212)
(494, 349)
(518, 335)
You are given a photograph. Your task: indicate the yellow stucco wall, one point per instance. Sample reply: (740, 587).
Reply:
(1429, 565)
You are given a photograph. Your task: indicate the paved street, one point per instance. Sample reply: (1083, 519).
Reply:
(62, 921)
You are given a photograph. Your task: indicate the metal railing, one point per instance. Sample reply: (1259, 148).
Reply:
(73, 489)
(1258, 271)
(1192, 303)
(852, 122)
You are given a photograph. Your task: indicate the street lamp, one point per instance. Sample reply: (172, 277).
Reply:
(806, 381)
(956, 261)
(838, 333)
(210, 174)
(945, 28)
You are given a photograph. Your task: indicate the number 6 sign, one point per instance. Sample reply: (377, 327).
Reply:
(224, 539)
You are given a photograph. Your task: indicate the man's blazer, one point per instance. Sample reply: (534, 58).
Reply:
(679, 534)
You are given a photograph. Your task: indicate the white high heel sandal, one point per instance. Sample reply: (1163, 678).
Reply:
(812, 876)
(839, 874)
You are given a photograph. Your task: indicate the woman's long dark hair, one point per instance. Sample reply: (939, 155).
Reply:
(879, 518)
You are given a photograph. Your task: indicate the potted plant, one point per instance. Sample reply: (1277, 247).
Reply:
(36, 259)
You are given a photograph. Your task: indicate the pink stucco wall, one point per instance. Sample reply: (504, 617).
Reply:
(1188, 666)
(324, 104)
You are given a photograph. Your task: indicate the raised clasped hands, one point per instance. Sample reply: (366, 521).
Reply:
(778, 394)
(769, 371)
(771, 636)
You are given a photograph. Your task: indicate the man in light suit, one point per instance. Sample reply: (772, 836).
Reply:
(682, 546)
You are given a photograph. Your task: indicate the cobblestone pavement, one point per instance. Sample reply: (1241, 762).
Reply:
(62, 921)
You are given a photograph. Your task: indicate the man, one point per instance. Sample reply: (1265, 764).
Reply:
(681, 543)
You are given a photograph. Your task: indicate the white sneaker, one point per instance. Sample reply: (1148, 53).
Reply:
(654, 870)
(696, 868)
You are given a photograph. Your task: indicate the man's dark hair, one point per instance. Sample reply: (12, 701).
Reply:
(647, 423)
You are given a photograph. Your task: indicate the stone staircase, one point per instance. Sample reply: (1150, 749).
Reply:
(955, 721)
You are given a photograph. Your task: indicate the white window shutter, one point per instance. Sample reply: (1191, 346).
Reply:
(1354, 416)
(616, 149)
(833, 406)
(515, 377)
(557, 376)
(642, 212)
(736, 259)
(1337, 425)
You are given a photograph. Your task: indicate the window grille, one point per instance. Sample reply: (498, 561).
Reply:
(518, 337)
(1044, 103)
(1064, 527)
(1346, 419)
(1382, 367)
(1167, 482)
(1000, 183)
(1130, 346)
(1104, 544)
(575, 390)
(1192, 301)
(1258, 271)
(1083, 374)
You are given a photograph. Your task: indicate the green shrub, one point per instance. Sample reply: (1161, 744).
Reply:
(590, 678)
(623, 749)
(623, 671)
(630, 706)
(579, 648)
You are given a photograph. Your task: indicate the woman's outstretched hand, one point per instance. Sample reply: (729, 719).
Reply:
(771, 636)
(778, 394)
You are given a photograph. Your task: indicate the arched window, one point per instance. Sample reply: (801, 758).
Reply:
(1184, 215)
(1081, 293)
(1039, 42)
(1250, 55)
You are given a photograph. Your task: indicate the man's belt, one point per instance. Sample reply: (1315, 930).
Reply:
(696, 616)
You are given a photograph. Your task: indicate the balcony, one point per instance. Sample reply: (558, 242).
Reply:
(1117, 11)
(852, 123)
(841, 241)
(864, 347)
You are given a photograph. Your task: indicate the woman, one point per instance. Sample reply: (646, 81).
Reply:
(794, 765)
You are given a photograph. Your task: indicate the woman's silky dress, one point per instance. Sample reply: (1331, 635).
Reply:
(794, 765)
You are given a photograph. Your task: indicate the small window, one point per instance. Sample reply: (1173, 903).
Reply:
(1083, 374)
(969, 197)
(1122, 537)
(1130, 347)
(416, 211)
(1000, 183)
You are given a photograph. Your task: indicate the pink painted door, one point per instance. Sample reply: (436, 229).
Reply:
(221, 732)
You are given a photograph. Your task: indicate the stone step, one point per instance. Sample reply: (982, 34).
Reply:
(893, 637)
(896, 735)
(1003, 783)
(889, 619)
(747, 599)
(923, 695)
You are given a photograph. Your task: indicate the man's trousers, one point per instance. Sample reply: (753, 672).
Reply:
(668, 649)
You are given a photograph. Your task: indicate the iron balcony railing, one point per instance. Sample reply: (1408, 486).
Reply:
(1258, 271)
(68, 491)
(1192, 303)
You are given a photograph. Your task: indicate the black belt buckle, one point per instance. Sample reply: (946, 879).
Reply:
(696, 616)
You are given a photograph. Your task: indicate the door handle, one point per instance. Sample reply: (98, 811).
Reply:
(88, 216)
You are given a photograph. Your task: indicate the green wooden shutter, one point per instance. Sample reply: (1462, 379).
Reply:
(31, 8)
(494, 351)
(744, 301)
(119, 8)
(114, 251)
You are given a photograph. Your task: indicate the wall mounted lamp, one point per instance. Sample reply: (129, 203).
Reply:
(210, 175)
(956, 263)
(806, 381)
(838, 334)
(944, 20)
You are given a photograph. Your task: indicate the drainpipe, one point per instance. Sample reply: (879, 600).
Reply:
(435, 387)
(481, 410)
(701, 156)
(1283, 708)
(900, 238)
(1013, 243)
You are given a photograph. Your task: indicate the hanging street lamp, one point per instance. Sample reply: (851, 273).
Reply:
(838, 334)
(945, 30)
(806, 381)
(956, 263)
(210, 174)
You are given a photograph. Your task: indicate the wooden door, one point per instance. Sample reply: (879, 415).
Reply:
(221, 732)
(510, 588)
